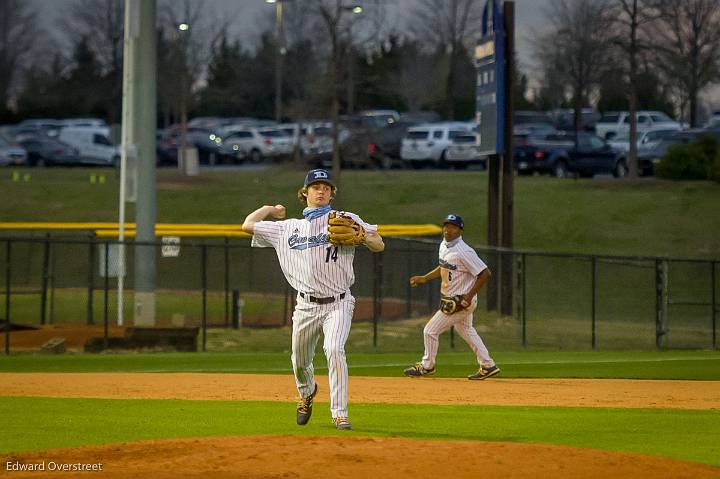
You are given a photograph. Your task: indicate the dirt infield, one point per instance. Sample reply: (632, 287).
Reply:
(273, 387)
(355, 456)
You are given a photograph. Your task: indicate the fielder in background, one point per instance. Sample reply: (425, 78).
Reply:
(462, 275)
(316, 256)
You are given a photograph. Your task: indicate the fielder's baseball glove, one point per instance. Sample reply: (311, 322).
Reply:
(452, 304)
(344, 231)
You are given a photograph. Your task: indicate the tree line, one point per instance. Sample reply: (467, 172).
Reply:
(611, 54)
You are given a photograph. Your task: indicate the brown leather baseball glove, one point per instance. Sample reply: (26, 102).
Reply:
(344, 231)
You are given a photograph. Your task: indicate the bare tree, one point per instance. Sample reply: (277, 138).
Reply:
(414, 82)
(103, 22)
(193, 35)
(18, 35)
(687, 46)
(630, 18)
(448, 25)
(576, 45)
(336, 21)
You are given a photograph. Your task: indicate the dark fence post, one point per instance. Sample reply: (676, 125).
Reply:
(91, 278)
(203, 269)
(285, 303)
(593, 269)
(227, 279)
(659, 278)
(7, 297)
(235, 308)
(506, 283)
(508, 170)
(408, 288)
(53, 259)
(523, 317)
(45, 275)
(105, 294)
(492, 287)
(376, 297)
(714, 305)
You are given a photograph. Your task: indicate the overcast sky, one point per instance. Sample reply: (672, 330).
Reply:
(248, 15)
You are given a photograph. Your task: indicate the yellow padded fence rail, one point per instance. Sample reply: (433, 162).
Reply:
(110, 230)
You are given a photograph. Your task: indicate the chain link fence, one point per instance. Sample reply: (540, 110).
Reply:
(239, 300)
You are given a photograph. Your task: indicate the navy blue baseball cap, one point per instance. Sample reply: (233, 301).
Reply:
(455, 220)
(318, 175)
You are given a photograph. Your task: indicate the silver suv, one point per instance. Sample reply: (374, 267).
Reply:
(256, 144)
(429, 143)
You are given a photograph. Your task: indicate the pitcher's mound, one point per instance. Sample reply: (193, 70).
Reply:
(353, 457)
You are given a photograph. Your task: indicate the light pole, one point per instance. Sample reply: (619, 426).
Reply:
(280, 52)
(180, 35)
(332, 23)
(356, 9)
(139, 123)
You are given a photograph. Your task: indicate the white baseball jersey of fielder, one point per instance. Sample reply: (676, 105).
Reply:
(459, 267)
(316, 269)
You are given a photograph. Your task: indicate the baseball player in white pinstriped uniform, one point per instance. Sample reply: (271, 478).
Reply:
(322, 274)
(462, 274)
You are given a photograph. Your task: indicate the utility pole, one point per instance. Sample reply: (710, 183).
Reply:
(508, 170)
(279, 53)
(139, 125)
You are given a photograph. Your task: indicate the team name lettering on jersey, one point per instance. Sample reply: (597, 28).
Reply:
(446, 265)
(303, 242)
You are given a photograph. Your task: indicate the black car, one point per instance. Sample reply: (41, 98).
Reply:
(562, 154)
(43, 150)
(205, 140)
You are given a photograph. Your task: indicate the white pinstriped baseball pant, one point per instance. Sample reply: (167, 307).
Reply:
(462, 321)
(334, 321)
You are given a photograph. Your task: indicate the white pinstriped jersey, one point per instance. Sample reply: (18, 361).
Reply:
(459, 267)
(309, 262)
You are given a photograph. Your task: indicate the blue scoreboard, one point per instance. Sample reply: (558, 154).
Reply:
(490, 90)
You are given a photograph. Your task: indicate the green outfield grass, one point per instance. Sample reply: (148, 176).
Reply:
(681, 434)
(648, 217)
(691, 365)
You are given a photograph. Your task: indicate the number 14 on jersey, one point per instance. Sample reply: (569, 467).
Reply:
(332, 254)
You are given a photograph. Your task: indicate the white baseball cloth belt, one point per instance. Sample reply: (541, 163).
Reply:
(328, 300)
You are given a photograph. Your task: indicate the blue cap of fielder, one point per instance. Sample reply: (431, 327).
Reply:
(318, 175)
(455, 220)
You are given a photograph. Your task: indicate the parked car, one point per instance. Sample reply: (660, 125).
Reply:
(428, 144)
(45, 151)
(713, 122)
(385, 144)
(166, 147)
(532, 123)
(381, 118)
(47, 126)
(560, 155)
(645, 140)
(648, 158)
(257, 144)
(83, 122)
(420, 117)
(41, 124)
(564, 119)
(92, 143)
(11, 154)
(616, 123)
(205, 140)
(313, 137)
(464, 151)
